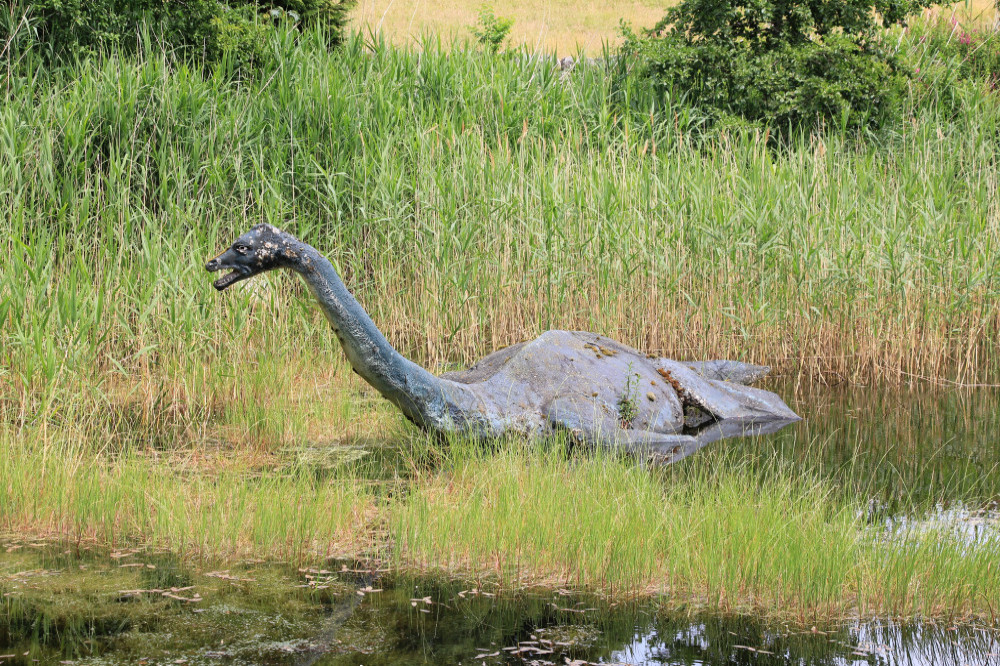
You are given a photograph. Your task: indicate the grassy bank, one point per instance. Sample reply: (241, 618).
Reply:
(713, 534)
(237, 509)
(777, 541)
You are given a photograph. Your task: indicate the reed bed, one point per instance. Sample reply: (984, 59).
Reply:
(470, 201)
(719, 534)
(714, 533)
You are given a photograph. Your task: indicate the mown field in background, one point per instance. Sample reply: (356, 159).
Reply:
(561, 26)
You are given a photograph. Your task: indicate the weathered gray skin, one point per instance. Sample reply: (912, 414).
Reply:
(568, 381)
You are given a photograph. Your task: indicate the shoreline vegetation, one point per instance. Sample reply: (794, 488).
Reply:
(471, 201)
(511, 201)
(718, 534)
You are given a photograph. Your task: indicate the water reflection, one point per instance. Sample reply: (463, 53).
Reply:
(902, 448)
(110, 608)
(925, 460)
(886, 644)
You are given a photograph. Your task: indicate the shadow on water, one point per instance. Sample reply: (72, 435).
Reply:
(140, 607)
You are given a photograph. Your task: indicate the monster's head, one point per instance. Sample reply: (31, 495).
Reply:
(259, 250)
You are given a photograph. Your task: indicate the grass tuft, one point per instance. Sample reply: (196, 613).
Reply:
(717, 534)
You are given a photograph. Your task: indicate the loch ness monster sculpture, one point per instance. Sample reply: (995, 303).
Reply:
(597, 390)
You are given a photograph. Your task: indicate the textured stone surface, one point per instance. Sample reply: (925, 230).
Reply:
(603, 392)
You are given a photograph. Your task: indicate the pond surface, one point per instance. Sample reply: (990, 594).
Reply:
(903, 449)
(922, 458)
(64, 606)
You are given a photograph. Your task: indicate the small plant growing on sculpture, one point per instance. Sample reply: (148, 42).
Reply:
(628, 403)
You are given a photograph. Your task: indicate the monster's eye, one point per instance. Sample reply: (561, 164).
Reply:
(242, 249)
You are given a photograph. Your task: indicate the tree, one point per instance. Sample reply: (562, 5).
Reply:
(787, 64)
(209, 28)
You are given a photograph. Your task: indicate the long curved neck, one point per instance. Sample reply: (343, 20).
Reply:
(418, 393)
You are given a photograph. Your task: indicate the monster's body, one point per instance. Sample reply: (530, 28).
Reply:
(601, 391)
(593, 388)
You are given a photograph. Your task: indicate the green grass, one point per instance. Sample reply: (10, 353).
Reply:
(716, 533)
(471, 202)
(238, 510)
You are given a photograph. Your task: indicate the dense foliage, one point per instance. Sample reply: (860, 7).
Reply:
(236, 30)
(782, 63)
(772, 24)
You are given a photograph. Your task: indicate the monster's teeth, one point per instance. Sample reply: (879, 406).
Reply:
(225, 280)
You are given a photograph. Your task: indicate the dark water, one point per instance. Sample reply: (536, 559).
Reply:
(106, 608)
(907, 449)
(918, 456)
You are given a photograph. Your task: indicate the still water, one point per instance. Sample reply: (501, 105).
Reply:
(147, 608)
(903, 449)
(921, 458)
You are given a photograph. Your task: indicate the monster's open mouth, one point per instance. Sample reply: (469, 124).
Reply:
(231, 278)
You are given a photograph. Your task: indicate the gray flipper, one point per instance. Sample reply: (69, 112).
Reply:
(724, 400)
(603, 429)
(710, 433)
(585, 421)
(665, 449)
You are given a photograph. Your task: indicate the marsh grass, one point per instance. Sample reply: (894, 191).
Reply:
(715, 533)
(470, 202)
(236, 509)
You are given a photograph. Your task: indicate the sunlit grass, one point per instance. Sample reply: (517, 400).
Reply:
(237, 509)
(711, 533)
(716, 534)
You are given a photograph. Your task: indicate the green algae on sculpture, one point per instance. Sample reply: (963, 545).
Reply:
(563, 381)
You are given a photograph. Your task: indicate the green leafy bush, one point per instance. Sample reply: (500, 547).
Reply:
(216, 29)
(786, 64)
(491, 31)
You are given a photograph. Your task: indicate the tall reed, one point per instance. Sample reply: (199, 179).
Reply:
(470, 201)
